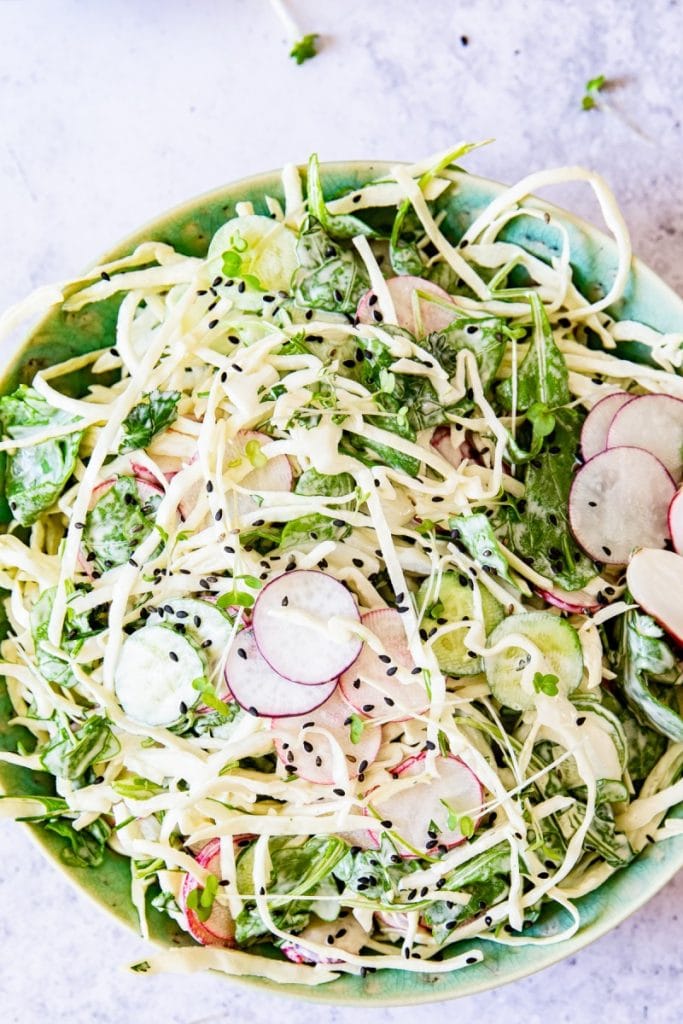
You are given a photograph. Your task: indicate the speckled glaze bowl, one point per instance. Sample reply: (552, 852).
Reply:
(61, 335)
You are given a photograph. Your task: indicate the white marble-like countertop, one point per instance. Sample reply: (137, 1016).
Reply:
(112, 112)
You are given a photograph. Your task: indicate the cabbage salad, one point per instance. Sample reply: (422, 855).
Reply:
(342, 598)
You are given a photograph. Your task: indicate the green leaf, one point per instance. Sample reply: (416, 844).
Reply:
(232, 263)
(595, 84)
(588, 103)
(154, 413)
(476, 535)
(546, 684)
(235, 597)
(201, 898)
(75, 630)
(330, 275)
(356, 726)
(134, 787)
(86, 846)
(35, 476)
(645, 658)
(118, 523)
(542, 376)
(539, 531)
(68, 755)
(331, 485)
(304, 49)
(485, 338)
(336, 225)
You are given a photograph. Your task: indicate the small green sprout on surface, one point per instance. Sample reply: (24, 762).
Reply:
(304, 49)
(593, 87)
(546, 684)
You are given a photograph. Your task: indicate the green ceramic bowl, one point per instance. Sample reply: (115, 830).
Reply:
(61, 335)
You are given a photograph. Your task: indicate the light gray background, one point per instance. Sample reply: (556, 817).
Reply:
(110, 112)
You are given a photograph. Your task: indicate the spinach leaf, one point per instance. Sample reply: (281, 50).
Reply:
(644, 746)
(297, 869)
(644, 658)
(330, 275)
(336, 225)
(154, 413)
(477, 537)
(372, 453)
(86, 846)
(68, 755)
(75, 630)
(539, 530)
(335, 485)
(118, 523)
(35, 476)
(484, 878)
(602, 835)
(485, 338)
(542, 376)
(374, 874)
(316, 526)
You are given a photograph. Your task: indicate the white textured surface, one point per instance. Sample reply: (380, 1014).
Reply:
(112, 112)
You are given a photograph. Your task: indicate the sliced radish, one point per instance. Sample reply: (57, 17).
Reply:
(292, 626)
(260, 690)
(219, 928)
(576, 602)
(443, 442)
(403, 290)
(676, 521)
(655, 579)
(274, 475)
(147, 487)
(598, 421)
(345, 933)
(432, 800)
(619, 501)
(370, 685)
(655, 423)
(306, 751)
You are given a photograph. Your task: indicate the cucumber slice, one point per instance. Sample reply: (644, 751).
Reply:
(557, 641)
(258, 246)
(455, 602)
(155, 674)
(205, 624)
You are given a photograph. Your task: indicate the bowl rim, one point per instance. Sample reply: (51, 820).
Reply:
(325, 994)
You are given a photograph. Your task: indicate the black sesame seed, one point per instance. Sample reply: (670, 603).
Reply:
(212, 324)
(385, 658)
(173, 656)
(339, 792)
(581, 720)
(471, 960)
(242, 653)
(543, 874)
(392, 671)
(608, 551)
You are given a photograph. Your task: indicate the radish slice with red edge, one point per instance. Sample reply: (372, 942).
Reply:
(260, 690)
(308, 753)
(434, 316)
(655, 423)
(219, 928)
(655, 580)
(443, 442)
(432, 800)
(370, 684)
(598, 421)
(676, 521)
(345, 934)
(619, 501)
(576, 602)
(291, 624)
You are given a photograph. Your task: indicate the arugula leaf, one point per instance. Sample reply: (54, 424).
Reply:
(330, 275)
(118, 523)
(304, 49)
(646, 658)
(75, 630)
(539, 530)
(542, 376)
(154, 413)
(68, 755)
(86, 846)
(35, 476)
(484, 878)
(336, 225)
(476, 535)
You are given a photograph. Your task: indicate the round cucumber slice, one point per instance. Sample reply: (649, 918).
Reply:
(454, 603)
(155, 674)
(205, 624)
(557, 641)
(258, 246)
